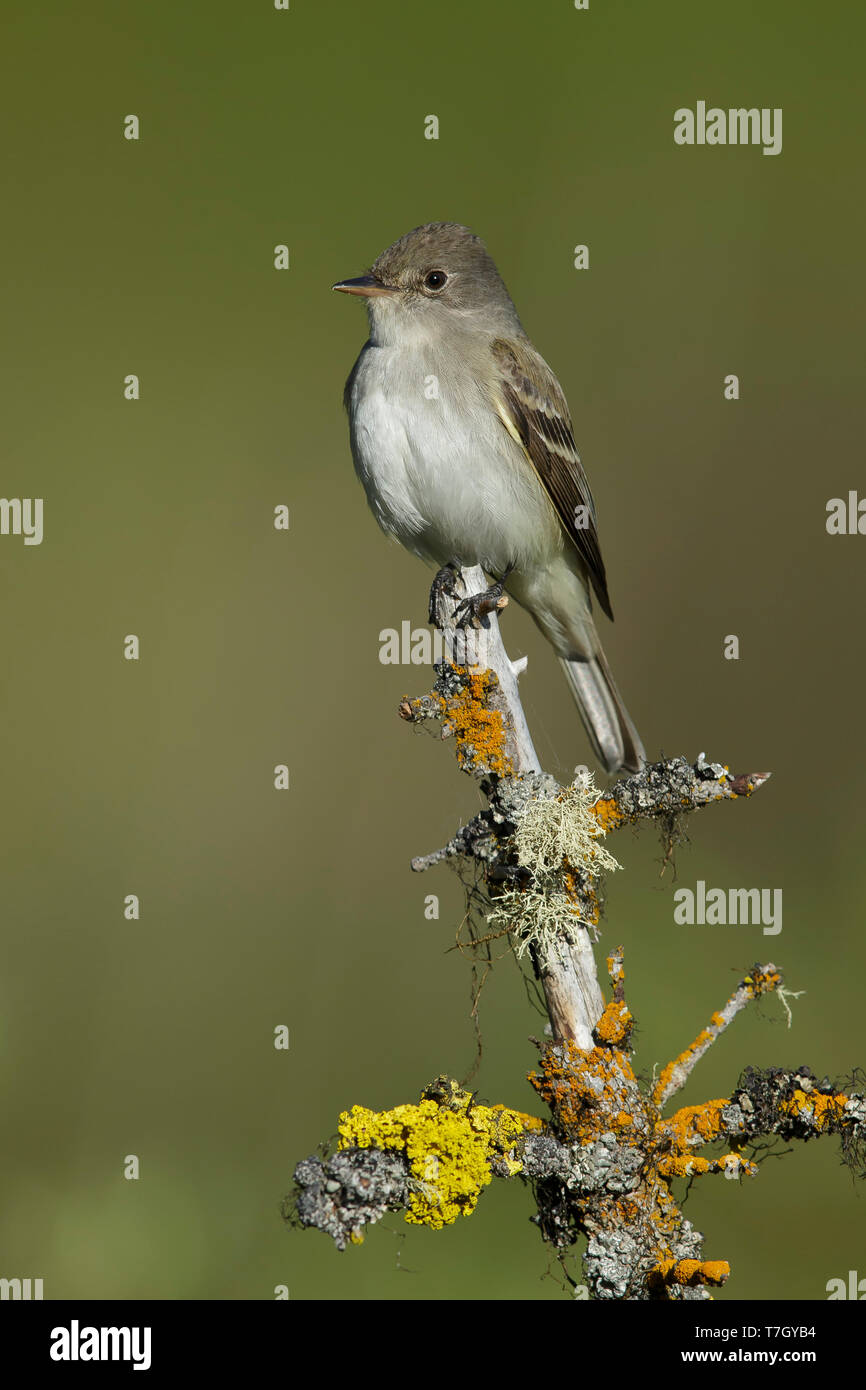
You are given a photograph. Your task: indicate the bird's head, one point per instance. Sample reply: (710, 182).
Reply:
(437, 279)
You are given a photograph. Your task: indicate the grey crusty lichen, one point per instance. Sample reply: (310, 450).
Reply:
(348, 1191)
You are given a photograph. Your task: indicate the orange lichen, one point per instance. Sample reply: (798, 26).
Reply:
(607, 813)
(706, 1036)
(762, 982)
(689, 1273)
(616, 968)
(593, 1096)
(478, 729)
(684, 1166)
(694, 1125)
(585, 1090)
(615, 1023)
(821, 1110)
(586, 905)
(688, 1166)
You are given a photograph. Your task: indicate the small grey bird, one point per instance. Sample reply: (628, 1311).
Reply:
(462, 439)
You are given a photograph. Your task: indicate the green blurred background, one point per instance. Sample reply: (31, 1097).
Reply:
(258, 647)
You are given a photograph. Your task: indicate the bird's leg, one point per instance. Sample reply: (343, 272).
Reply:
(490, 600)
(442, 585)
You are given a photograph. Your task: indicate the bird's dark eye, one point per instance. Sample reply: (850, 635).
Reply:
(435, 279)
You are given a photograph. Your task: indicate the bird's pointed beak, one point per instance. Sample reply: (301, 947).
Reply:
(366, 285)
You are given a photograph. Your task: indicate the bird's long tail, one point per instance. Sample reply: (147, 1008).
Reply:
(614, 738)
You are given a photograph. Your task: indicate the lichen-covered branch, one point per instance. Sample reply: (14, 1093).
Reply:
(676, 1073)
(672, 788)
(796, 1105)
(476, 696)
(343, 1194)
(601, 1166)
(604, 1160)
(475, 699)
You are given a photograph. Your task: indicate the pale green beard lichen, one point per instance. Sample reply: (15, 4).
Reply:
(555, 840)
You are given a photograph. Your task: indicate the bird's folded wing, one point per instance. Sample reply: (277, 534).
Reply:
(534, 410)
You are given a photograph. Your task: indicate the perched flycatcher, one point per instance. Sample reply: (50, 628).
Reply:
(462, 439)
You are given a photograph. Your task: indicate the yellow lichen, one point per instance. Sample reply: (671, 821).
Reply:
(448, 1146)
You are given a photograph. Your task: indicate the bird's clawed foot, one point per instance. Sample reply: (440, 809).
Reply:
(443, 586)
(477, 606)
